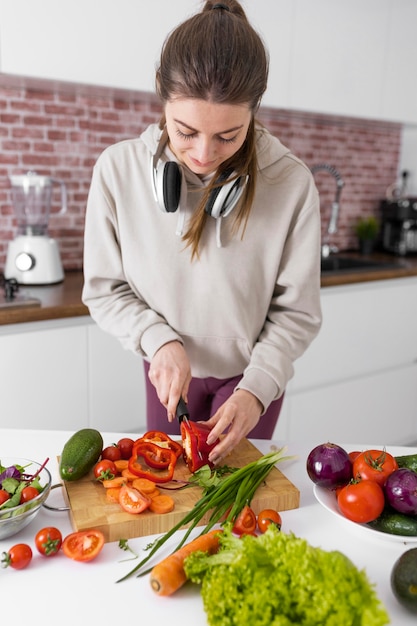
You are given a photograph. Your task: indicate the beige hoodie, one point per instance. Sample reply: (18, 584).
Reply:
(250, 306)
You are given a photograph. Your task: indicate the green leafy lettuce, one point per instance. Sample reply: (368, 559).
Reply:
(277, 579)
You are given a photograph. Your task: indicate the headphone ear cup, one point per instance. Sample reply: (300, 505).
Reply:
(168, 186)
(222, 200)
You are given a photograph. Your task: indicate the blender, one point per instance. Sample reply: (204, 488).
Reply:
(33, 258)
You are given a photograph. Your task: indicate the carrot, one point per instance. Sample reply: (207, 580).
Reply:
(144, 485)
(121, 464)
(112, 494)
(168, 576)
(161, 504)
(128, 474)
(119, 481)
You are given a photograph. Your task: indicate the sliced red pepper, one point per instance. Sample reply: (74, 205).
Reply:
(195, 447)
(161, 439)
(150, 461)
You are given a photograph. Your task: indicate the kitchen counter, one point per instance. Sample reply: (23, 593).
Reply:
(64, 300)
(71, 589)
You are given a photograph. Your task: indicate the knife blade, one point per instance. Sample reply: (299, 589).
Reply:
(183, 414)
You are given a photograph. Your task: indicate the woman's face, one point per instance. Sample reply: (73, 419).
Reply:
(204, 134)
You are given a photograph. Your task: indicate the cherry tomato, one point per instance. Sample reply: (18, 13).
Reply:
(133, 501)
(267, 517)
(361, 501)
(18, 557)
(111, 453)
(83, 545)
(374, 465)
(105, 470)
(48, 541)
(245, 522)
(125, 446)
(4, 495)
(28, 493)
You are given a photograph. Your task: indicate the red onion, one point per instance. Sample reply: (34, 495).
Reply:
(401, 491)
(329, 465)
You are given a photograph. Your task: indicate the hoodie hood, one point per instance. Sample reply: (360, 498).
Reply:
(156, 140)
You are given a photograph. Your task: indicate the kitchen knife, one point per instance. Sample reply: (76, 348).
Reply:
(182, 410)
(183, 414)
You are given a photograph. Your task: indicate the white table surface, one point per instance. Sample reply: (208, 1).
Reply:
(82, 593)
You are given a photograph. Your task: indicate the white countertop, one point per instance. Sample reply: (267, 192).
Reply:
(81, 589)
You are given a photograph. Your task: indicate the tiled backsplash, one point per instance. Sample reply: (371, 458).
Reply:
(59, 130)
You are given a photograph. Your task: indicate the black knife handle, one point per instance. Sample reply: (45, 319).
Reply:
(182, 410)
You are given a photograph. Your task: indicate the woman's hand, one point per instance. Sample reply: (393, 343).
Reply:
(236, 417)
(170, 374)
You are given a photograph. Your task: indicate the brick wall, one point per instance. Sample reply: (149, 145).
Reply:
(59, 130)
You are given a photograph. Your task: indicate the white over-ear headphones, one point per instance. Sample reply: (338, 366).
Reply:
(168, 182)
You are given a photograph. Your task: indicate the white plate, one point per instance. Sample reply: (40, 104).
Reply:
(328, 500)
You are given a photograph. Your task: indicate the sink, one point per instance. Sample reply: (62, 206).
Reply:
(349, 264)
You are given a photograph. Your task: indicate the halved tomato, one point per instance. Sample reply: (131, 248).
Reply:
(83, 545)
(132, 500)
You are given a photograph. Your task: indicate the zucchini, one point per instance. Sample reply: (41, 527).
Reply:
(395, 523)
(409, 461)
(80, 454)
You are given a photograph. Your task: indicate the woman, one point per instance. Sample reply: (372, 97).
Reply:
(202, 239)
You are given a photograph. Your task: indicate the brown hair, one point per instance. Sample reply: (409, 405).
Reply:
(217, 56)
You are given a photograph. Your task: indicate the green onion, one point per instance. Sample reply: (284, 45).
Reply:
(233, 492)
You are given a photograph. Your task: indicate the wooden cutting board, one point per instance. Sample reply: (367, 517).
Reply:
(90, 509)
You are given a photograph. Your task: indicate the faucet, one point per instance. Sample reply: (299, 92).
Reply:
(327, 247)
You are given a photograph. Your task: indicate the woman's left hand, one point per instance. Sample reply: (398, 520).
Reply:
(236, 417)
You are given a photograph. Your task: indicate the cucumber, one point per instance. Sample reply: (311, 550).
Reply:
(409, 461)
(395, 523)
(80, 453)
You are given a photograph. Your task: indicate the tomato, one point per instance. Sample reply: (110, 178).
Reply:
(133, 501)
(18, 557)
(245, 522)
(125, 446)
(361, 501)
(4, 495)
(374, 465)
(267, 517)
(111, 453)
(28, 493)
(105, 470)
(83, 545)
(48, 541)
(352, 455)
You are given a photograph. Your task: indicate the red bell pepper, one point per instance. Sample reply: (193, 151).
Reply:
(161, 439)
(150, 461)
(195, 447)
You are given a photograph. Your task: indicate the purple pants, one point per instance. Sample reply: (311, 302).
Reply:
(205, 396)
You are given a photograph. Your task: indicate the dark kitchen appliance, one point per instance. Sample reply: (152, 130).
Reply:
(399, 225)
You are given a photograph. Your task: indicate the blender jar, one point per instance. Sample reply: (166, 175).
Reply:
(32, 199)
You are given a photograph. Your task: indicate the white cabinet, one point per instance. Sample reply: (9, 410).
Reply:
(349, 57)
(43, 373)
(358, 379)
(98, 42)
(117, 394)
(68, 374)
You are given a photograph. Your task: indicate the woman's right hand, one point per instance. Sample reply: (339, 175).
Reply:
(170, 374)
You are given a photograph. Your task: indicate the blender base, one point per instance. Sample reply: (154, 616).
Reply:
(34, 260)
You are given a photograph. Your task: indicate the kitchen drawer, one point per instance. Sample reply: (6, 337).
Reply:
(376, 408)
(367, 328)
